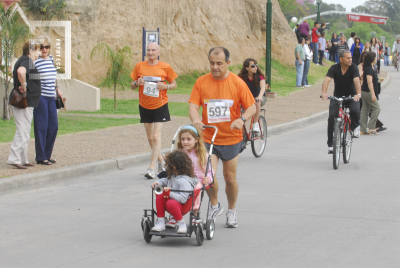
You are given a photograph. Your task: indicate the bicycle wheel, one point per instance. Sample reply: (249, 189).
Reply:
(258, 141)
(347, 142)
(336, 145)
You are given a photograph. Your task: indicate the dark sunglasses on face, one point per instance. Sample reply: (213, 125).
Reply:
(46, 47)
(253, 65)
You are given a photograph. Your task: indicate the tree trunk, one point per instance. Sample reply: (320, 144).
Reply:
(115, 96)
(7, 110)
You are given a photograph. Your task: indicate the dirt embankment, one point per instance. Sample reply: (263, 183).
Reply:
(188, 29)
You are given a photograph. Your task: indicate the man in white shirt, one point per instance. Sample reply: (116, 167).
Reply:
(350, 42)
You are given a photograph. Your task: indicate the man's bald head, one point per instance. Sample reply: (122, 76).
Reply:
(153, 46)
(153, 51)
(218, 50)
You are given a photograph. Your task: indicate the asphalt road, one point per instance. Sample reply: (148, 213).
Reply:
(293, 209)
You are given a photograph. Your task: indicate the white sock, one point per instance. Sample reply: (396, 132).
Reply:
(232, 210)
(215, 207)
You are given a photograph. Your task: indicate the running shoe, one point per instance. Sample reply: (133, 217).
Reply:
(213, 213)
(231, 219)
(182, 228)
(356, 132)
(160, 225)
(149, 174)
(256, 127)
(330, 150)
(307, 86)
(171, 222)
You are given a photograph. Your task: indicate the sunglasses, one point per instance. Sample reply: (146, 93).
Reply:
(46, 47)
(253, 65)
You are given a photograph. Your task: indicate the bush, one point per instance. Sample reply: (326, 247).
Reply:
(46, 7)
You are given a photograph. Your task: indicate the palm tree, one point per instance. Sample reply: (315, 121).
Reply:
(118, 72)
(12, 33)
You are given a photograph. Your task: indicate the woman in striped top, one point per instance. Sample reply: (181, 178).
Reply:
(45, 114)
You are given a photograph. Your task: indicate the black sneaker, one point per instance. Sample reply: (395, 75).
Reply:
(381, 129)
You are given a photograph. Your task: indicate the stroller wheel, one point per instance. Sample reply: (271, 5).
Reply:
(146, 230)
(199, 235)
(210, 229)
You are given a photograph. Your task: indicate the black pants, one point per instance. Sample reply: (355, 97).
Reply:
(356, 59)
(354, 107)
(321, 56)
(379, 64)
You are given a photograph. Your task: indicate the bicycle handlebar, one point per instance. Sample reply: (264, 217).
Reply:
(339, 99)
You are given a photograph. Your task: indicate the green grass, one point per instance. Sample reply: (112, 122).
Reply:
(131, 107)
(70, 124)
(283, 80)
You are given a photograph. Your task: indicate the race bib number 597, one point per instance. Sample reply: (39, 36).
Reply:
(218, 112)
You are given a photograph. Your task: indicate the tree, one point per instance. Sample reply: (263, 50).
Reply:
(12, 33)
(118, 72)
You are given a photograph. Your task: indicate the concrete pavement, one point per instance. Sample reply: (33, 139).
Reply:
(294, 210)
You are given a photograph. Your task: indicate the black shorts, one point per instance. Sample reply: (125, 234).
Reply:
(152, 116)
(225, 152)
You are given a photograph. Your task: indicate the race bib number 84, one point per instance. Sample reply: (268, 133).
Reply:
(218, 112)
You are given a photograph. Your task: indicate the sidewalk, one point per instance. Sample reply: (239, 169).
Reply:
(111, 143)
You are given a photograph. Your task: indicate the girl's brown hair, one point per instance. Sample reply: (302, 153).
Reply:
(178, 163)
(199, 147)
(244, 73)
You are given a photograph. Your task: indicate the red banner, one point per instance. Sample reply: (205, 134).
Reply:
(366, 18)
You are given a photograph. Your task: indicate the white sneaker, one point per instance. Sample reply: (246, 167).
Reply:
(171, 222)
(231, 219)
(160, 225)
(330, 150)
(356, 132)
(307, 86)
(182, 228)
(256, 127)
(149, 174)
(213, 213)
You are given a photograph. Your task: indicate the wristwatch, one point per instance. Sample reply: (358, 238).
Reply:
(243, 118)
(135, 82)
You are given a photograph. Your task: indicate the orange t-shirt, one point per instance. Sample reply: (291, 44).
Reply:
(232, 90)
(161, 69)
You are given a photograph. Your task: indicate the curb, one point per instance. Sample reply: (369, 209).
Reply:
(37, 179)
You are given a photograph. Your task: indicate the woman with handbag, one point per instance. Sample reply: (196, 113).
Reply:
(24, 97)
(45, 119)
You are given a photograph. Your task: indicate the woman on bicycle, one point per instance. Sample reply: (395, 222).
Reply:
(255, 80)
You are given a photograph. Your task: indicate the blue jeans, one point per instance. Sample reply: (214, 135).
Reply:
(45, 124)
(299, 72)
(305, 72)
(337, 58)
(386, 58)
(315, 52)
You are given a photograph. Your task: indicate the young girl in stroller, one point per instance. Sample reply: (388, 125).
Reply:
(190, 140)
(180, 176)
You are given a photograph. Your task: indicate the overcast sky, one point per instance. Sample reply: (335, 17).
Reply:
(348, 4)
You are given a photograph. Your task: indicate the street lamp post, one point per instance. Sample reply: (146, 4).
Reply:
(268, 43)
(318, 13)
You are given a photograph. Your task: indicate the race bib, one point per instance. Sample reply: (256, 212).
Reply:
(150, 89)
(218, 112)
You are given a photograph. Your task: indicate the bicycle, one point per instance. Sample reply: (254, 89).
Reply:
(342, 134)
(258, 140)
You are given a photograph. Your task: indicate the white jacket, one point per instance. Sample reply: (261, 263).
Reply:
(307, 52)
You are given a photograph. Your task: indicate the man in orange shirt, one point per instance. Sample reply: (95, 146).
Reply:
(150, 77)
(220, 93)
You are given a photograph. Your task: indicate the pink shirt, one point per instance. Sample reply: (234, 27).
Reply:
(198, 171)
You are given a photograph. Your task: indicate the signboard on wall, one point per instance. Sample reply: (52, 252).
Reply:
(150, 37)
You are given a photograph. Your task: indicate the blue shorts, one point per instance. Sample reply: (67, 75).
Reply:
(225, 152)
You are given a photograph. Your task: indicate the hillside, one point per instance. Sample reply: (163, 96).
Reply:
(188, 29)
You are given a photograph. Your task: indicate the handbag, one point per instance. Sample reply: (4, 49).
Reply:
(18, 99)
(59, 102)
